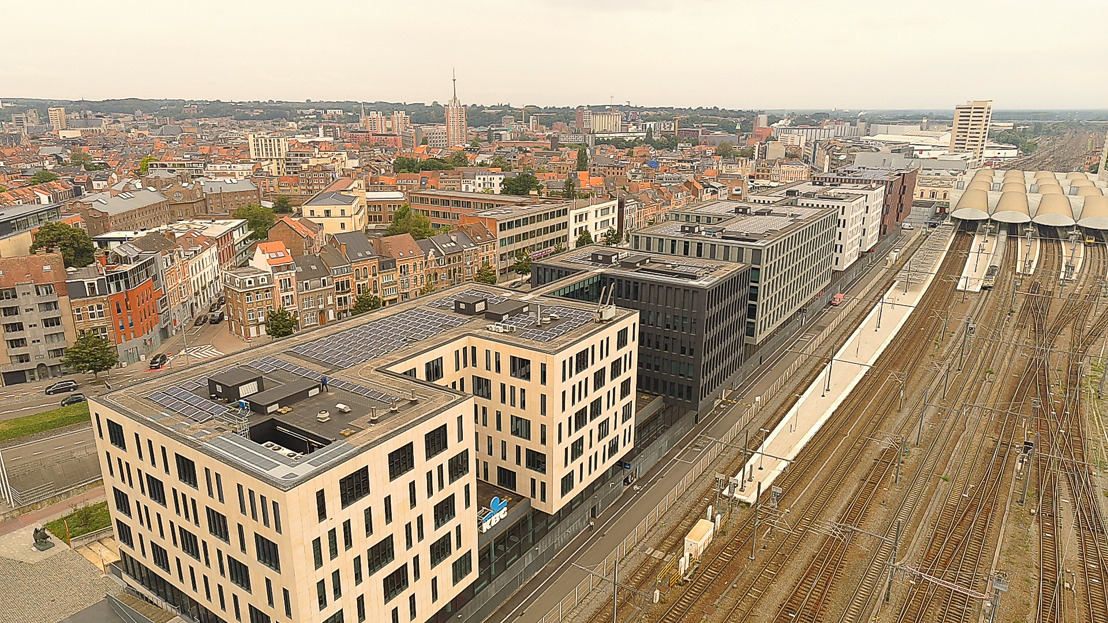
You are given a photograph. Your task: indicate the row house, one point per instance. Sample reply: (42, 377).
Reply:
(56, 191)
(88, 298)
(365, 264)
(251, 294)
(274, 258)
(300, 236)
(410, 263)
(135, 300)
(315, 292)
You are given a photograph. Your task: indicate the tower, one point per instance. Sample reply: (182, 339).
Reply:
(455, 119)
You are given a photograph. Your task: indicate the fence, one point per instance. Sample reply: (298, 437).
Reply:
(655, 516)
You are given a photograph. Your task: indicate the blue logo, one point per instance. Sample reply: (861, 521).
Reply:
(497, 505)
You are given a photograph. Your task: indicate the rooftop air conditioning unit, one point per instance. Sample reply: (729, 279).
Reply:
(323, 416)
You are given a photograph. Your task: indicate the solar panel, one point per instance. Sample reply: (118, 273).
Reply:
(379, 337)
(188, 404)
(447, 302)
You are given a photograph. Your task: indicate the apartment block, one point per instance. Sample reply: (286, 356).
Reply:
(535, 229)
(789, 249)
(354, 471)
(445, 208)
(36, 321)
(899, 184)
(250, 293)
(970, 130)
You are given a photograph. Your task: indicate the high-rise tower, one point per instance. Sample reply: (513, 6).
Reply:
(455, 119)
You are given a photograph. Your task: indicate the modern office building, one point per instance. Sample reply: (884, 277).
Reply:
(58, 120)
(358, 470)
(789, 249)
(970, 130)
(693, 314)
(900, 190)
(445, 207)
(535, 229)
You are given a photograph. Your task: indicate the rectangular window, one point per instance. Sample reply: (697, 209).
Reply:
(257, 616)
(432, 370)
(380, 555)
(320, 505)
(267, 552)
(189, 544)
(519, 368)
(115, 434)
(238, 573)
(506, 478)
(521, 427)
(160, 556)
(395, 583)
(122, 501)
(440, 550)
(317, 552)
(401, 461)
(462, 567)
(124, 532)
(186, 471)
(444, 512)
(435, 441)
(217, 525)
(347, 535)
(354, 487)
(482, 387)
(567, 484)
(332, 543)
(536, 461)
(156, 489)
(458, 465)
(357, 570)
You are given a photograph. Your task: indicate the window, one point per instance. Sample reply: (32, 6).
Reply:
(542, 373)
(347, 535)
(320, 505)
(160, 556)
(186, 471)
(482, 387)
(122, 501)
(432, 370)
(354, 487)
(395, 583)
(360, 606)
(336, 585)
(380, 555)
(567, 484)
(621, 338)
(115, 434)
(458, 465)
(536, 461)
(581, 361)
(189, 544)
(576, 449)
(521, 427)
(462, 567)
(238, 573)
(217, 525)
(321, 594)
(506, 478)
(435, 441)
(519, 368)
(317, 552)
(124, 532)
(401, 461)
(154, 487)
(267, 552)
(357, 570)
(444, 512)
(440, 550)
(257, 616)
(599, 378)
(332, 543)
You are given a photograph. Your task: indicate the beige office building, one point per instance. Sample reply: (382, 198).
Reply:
(345, 473)
(970, 131)
(57, 118)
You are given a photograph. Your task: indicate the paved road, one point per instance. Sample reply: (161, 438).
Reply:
(59, 462)
(589, 549)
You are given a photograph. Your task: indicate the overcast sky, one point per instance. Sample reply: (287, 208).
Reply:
(853, 54)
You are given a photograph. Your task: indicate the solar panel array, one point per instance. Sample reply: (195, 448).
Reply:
(269, 364)
(569, 318)
(188, 404)
(447, 302)
(380, 337)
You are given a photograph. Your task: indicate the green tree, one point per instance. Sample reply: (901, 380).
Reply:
(3, 189)
(423, 141)
(427, 288)
(365, 303)
(475, 143)
(258, 219)
(611, 237)
(725, 150)
(91, 353)
(522, 265)
(144, 164)
(280, 323)
(408, 221)
(282, 205)
(80, 159)
(72, 242)
(569, 191)
(405, 165)
(520, 185)
(745, 152)
(584, 240)
(458, 159)
(582, 159)
(42, 177)
(499, 162)
(486, 274)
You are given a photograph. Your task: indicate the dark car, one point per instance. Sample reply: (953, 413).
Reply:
(214, 307)
(200, 320)
(222, 300)
(61, 387)
(73, 399)
(158, 361)
(217, 317)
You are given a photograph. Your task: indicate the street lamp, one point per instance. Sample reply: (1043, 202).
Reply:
(762, 453)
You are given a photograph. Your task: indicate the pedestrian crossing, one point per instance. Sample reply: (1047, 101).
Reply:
(201, 352)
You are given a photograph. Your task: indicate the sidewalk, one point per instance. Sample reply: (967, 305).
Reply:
(52, 512)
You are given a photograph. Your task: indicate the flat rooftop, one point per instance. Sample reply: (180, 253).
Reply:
(366, 397)
(751, 224)
(656, 266)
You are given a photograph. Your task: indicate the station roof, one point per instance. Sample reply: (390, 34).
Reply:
(1041, 197)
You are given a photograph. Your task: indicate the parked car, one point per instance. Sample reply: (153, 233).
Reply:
(214, 307)
(217, 317)
(73, 399)
(222, 300)
(61, 387)
(200, 320)
(158, 361)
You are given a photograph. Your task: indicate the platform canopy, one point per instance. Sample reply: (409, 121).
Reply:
(1012, 208)
(1095, 213)
(1054, 211)
(973, 205)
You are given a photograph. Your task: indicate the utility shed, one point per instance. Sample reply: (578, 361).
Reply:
(698, 539)
(236, 383)
(283, 395)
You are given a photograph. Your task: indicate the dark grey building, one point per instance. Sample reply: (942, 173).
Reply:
(693, 313)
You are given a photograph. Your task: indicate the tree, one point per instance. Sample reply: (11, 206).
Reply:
(3, 189)
(258, 219)
(558, 248)
(365, 303)
(523, 263)
(91, 353)
(407, 221)
(281, 205)
(458, 159)
(520, 185)
(611, 237)
(427, 288)
(584, 240)
(745, 152)
(405, 165)
(486, 274)
(582, 159)
(72, 242)
(280, 323)
(42, 177)
(475, 143)
(725, 150)
(80, 159)
(144, 164)
(499, 162)
(569, 191)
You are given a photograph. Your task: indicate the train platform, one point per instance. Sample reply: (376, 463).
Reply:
(985, 246)
(1073, 251)
(1027, 254)
(841, 375)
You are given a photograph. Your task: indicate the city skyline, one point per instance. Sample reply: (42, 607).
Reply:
(508, 59)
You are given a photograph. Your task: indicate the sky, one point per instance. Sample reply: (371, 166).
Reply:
(747, 54)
